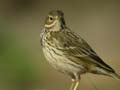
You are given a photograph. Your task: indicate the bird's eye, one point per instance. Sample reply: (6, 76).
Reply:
(51, 18)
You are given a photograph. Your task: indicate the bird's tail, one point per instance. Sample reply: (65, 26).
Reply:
(115, 76)
(107, 72)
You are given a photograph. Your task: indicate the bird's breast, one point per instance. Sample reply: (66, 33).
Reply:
(60, 62)
(57, 57)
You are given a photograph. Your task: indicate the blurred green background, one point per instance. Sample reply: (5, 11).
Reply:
(22, 64)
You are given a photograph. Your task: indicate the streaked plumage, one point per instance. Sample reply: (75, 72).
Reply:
(68, 52)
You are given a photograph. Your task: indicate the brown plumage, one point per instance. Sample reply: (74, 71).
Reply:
(68, 52)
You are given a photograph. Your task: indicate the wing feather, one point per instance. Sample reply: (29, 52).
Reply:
(73, 45)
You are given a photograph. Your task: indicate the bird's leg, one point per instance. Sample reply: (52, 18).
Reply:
(75, 84)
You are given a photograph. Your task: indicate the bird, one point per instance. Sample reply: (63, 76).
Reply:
(68, 52)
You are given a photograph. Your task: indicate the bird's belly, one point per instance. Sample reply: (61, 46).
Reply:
(61, 62)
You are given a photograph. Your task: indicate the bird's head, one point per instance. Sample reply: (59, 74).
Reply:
(55, 20)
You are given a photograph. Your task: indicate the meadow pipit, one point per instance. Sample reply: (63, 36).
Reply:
(68, 52)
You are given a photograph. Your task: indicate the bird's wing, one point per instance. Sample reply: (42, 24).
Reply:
(74, 45)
